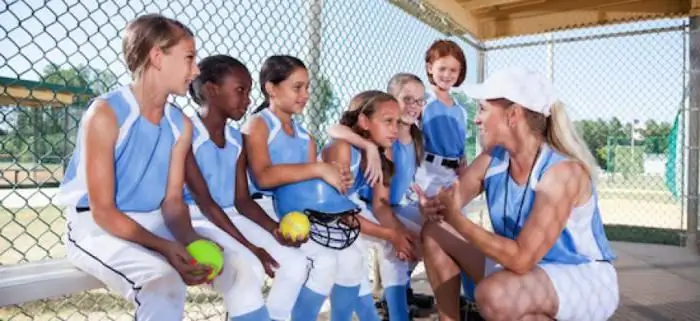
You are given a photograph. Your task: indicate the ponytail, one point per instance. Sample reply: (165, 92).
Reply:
(563, 137)
(387, 168)
(262, 106)
(195, 91)
(417, 136)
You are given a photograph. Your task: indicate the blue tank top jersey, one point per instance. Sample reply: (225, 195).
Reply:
(359, 184)
(282, 148)
(217, 165)
(444, 128)
(583, 238)
(404, 159)
(142, 157)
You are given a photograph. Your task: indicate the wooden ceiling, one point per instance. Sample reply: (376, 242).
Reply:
(491, 19)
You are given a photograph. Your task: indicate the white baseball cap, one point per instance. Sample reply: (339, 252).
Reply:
(519, 85)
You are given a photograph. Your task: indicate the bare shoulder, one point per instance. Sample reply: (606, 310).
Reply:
(254, 124)
(336, 150)
(568, 179)
(100, 118)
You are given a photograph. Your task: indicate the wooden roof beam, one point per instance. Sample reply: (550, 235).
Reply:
(563, 14)
(457, 13)
(486, 4)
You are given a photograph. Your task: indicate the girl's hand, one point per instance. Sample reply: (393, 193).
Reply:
(373, 173)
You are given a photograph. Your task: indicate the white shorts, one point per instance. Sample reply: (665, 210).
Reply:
(586, 292)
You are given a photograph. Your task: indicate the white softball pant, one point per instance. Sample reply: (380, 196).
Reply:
(392, 270)
(292, 271)
(147, 280)
(327, 266)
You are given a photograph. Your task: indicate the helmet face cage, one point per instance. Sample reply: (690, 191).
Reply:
(335, 231)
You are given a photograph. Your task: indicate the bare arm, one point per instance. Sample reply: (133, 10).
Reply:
(375, 230)
(245, 204)
(174, 210)
(556, 196)
(471, 180)
(381, 207)
(373, 172)
(212, 211)
(101, 132)
(339, 131)
(265, 174)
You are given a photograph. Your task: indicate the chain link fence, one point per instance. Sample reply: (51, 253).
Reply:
(58, 54)
(624, 86)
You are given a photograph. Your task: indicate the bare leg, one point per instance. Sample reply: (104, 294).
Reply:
(505, 295)
(445, 254)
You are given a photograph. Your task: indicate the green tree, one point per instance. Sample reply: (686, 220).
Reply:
(81, 76)
(602, 136)
(656, 136)
(323, 111)
(470, 107)
(45, 133)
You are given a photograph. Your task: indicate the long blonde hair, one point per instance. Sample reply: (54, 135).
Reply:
(559, 132)
(563, 137)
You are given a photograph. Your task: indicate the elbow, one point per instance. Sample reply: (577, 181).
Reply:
(261, 179)
(521, 266)
(101, 215)
(172, 206)
(333, 131)
(242, 202)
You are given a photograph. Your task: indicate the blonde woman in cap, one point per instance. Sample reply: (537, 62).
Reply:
(548, 257)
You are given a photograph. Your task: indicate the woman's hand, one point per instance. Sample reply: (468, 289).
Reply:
(451, 201)
(430, 207)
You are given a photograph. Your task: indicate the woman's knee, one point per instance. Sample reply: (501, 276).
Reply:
(493, 300)
(427, 235)
(429, 238)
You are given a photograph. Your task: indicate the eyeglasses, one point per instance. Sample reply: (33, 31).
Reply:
(411, 101)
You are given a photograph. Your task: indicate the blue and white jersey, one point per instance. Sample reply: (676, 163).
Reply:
(141, 156)
(282, 148)
(583, 238)
(444, 128)
(217, 164)
(404, 159)
(359, 183)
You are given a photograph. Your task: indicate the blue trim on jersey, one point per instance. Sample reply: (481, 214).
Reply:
(142, 156)
(444, 128)
(282, 148)
(575, 245)
(404, 159)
